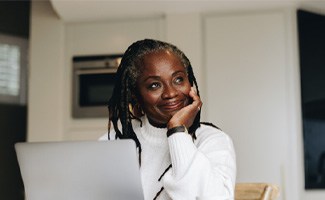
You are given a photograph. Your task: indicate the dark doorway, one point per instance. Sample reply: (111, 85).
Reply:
(311, 28)
(12, 130)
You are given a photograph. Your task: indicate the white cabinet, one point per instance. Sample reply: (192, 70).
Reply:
(246, 90)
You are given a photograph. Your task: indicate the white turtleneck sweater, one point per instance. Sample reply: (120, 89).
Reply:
(201, 170)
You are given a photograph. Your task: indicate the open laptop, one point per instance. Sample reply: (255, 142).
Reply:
(87, 170)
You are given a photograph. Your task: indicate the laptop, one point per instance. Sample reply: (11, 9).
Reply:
(87, 170)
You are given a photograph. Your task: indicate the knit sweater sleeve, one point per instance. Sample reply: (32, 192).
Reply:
(205, 170)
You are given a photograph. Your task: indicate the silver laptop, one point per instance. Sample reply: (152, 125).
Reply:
(92, 170)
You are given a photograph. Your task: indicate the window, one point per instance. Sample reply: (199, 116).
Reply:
(13, 68)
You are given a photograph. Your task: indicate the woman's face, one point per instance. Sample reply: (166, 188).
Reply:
(163, 86)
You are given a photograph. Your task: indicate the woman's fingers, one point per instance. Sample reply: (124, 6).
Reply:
(197, 103)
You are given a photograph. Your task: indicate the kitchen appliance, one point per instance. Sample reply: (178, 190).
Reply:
(93, 83)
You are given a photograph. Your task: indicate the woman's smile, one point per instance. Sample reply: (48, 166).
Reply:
(173, 105)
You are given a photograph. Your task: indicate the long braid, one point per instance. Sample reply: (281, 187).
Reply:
(196, 122)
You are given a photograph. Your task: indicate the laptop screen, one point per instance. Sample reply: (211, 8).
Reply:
(80, 170)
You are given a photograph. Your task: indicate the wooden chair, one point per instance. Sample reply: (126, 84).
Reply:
(256, 191)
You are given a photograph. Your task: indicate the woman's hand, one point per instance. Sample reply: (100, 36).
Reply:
(186, 115)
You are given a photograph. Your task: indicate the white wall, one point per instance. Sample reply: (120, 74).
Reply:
(45, 95)
(266, 91)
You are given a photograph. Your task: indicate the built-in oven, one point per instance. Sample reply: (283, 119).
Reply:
(93, 83)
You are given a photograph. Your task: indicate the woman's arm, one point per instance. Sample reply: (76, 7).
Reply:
(202, 170)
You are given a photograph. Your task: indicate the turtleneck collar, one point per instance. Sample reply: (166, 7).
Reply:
(151, 134)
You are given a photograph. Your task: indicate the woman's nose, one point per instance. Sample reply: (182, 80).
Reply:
(169, 92)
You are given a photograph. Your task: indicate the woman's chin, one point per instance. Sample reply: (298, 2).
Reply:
(160, 124)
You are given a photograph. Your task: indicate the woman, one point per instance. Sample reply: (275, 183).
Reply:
(156, 103)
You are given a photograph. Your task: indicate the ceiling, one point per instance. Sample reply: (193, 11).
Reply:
(97, 10)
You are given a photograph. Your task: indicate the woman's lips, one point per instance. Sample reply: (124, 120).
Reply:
(171, 106)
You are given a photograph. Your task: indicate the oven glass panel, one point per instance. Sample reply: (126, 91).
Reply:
(95, 89)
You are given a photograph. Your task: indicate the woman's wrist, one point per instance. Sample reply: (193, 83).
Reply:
(176, 129)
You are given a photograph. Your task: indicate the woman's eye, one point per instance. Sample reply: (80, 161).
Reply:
(154, 85)
(179, 79)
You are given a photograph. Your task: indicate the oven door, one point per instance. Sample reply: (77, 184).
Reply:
(91, 92)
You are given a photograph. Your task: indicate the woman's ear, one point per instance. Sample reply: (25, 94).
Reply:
(136, 108)
(137, 111)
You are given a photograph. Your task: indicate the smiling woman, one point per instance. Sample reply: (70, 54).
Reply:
(156, 103)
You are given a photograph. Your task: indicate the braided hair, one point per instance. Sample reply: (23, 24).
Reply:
(123, 98)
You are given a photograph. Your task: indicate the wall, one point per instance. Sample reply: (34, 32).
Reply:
(246, 60)
(49, 117)
(45, 122)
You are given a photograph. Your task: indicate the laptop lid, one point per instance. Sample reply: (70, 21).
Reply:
(87, 170)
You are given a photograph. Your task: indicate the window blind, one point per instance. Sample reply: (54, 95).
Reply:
(9, 69)
(13, 69)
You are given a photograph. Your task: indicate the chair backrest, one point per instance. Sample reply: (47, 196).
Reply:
(256, 191)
